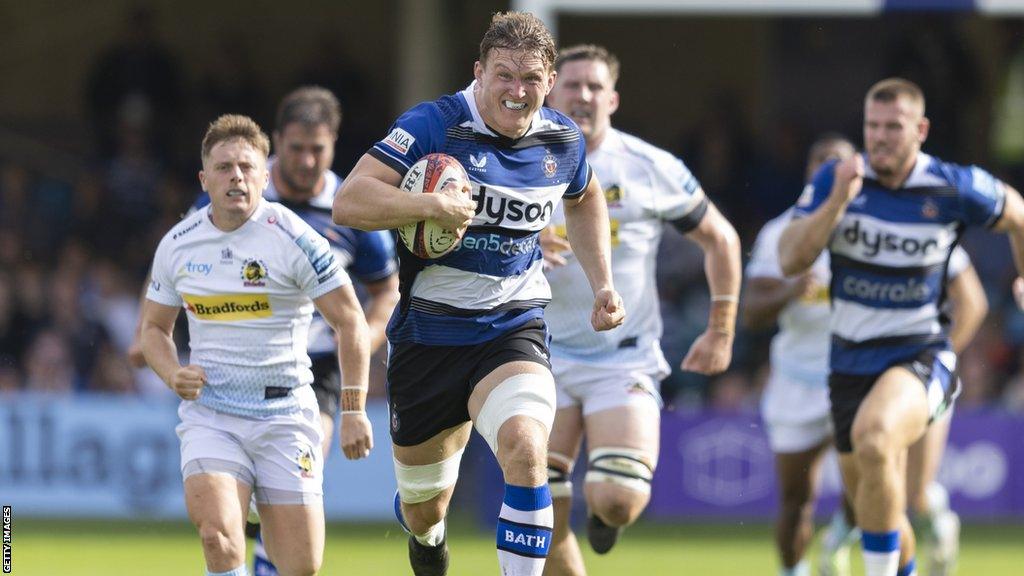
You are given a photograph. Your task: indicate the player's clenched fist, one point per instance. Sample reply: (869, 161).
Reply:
(188, 381)
(356, 436)
(849, 177)
(609, 311)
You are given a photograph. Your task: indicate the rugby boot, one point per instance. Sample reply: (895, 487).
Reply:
(428, 560)
(602, 537)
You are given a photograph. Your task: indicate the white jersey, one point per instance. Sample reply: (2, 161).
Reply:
(248, 297)
(645, 187)
(799, 351)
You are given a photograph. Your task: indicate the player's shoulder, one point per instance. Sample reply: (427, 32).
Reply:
(552, 120)
(188, 228)
(931, 171)
(622, 143)
(275, 218)
(448, 110)
(776, 225)
(324, 200)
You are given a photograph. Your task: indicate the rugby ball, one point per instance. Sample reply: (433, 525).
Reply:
(426, 238)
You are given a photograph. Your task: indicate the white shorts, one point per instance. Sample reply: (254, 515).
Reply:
(796, 414)
(597, 388)
(279, 456)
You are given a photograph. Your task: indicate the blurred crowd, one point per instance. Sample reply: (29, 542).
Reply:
(74, 251)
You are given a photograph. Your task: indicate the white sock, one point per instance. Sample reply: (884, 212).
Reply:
(433, 536)
(240, 571)
(881, 552)
(801, 569)
(524, 530)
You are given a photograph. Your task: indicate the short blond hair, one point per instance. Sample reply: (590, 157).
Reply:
(890, 89)
(519, 31)
(235, 127)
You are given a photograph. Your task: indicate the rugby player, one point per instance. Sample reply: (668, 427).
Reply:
(609, 382)
(468, 341)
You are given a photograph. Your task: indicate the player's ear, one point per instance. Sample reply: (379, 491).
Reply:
(923, 125)
(613, 102)
(478, 71)
(202, 180)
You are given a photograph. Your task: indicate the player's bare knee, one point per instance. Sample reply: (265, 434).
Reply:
(873, 445)
(621, 509)
(522, 444)
(218, 540)
(422, 516)
(620, 482)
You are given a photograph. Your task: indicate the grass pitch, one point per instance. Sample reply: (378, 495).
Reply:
(98, 548)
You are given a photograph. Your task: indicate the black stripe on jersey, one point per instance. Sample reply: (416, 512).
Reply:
(687, 223)
(538, 139)
(439, 309)
(889, 341)
(904, 271)
(939, 191)
(575, 195)
(391, 162)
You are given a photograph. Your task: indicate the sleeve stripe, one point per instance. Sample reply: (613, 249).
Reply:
(691, 220)
(577, 193)
(396, 164)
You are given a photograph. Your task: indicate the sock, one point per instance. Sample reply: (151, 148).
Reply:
(881, 552)
(909, 570)
(240, 571)
(261, 564)
(434, 535)
(524, 530)
(801, 569)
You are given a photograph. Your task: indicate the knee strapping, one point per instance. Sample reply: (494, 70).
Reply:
(528, 394)
(559, 476)
(421, 483)
(626, 467)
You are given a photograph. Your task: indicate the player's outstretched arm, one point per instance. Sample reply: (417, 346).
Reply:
(340, 307)
(161, 355)
(970, 306)
(711, 353)
(586, 223)
(370, 199)
(804, 238)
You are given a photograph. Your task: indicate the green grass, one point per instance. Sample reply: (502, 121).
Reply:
(96, 548)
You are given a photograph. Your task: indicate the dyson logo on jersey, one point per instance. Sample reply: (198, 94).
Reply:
(910, 291)
(875, 242)
(501, 210)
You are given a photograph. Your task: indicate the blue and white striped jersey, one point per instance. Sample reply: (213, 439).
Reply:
(366, 256)
(890, 256)
(493, 281)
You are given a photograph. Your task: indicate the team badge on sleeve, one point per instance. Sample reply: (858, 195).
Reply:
(400, 140)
